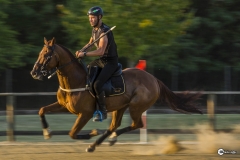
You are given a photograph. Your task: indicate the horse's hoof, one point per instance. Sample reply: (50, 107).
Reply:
(47, 136)
(95, 132)
(111, 143)
(47, 133)
(112, 139)
(90, 149)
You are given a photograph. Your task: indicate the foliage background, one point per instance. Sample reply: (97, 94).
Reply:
(191, 44)
(192, 34)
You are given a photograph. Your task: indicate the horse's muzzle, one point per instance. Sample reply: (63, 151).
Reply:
(36, 75)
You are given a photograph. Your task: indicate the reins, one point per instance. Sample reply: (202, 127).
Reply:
(85, 48)
(64, 65)
(81, 62)
(76, 89)
(57, 68)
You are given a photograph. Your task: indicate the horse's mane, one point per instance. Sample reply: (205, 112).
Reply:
(69, 53)
(67, 50)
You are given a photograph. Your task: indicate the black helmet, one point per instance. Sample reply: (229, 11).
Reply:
(95, 11)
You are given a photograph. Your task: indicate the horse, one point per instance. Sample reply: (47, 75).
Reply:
(142, 90)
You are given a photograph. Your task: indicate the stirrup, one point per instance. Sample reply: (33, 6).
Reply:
(97, 116)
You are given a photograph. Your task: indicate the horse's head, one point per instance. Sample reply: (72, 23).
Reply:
(45, 62)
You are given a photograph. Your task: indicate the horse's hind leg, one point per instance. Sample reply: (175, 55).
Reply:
(137, 123)
(114, 125)
(55, 107)
(136, 114)
(116, 122)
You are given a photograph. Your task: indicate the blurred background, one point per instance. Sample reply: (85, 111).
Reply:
(189, 45)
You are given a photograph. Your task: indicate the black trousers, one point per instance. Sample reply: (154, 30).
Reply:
(108, 68)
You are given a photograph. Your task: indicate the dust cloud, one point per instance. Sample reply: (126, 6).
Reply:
(207, 141)
(210, 141)
(164, 145)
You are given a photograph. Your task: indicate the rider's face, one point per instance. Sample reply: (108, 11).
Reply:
(93, 20)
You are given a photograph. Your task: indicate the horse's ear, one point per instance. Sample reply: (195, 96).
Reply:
(53, 41)
(45, 41)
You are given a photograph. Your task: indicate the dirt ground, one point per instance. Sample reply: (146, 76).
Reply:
(72, 151)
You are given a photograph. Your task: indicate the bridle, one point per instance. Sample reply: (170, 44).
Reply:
(43, 70)
(48, 58)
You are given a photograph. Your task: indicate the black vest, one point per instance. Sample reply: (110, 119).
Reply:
(111, 49)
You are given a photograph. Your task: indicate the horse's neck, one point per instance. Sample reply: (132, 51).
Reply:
(71, 75)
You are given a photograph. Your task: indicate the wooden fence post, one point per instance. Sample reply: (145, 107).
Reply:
(10, 118)
(143, 130)
(211, 110)
(142, 64)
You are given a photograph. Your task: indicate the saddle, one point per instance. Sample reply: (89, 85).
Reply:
(114, 86)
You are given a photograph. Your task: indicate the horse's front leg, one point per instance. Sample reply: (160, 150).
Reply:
(55, 107)
(80, 122)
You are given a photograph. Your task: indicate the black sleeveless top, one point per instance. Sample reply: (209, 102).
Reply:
(110, 52)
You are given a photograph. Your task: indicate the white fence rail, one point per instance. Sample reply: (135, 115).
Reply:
(11, 96)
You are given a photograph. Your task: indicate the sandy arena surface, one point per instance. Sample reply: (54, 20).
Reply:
(135, 151)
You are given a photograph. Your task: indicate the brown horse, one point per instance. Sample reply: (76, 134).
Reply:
(142, 90)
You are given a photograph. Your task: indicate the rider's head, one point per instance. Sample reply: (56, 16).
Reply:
(95, 15)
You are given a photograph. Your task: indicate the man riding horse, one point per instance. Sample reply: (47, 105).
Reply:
(108, 56)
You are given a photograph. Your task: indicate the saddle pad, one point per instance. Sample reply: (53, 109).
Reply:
(113, 87)
(118, 86)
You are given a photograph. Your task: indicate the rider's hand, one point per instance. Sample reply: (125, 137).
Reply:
(79, 54)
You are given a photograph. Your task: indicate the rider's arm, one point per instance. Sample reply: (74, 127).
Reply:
(99, 51)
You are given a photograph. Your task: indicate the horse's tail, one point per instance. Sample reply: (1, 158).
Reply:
(179, 102)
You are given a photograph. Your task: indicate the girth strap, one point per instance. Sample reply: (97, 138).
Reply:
(74, 90)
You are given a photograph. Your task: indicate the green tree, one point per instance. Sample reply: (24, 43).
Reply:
(141, 25)
(211, 42)
(10, 50)
(33, 20)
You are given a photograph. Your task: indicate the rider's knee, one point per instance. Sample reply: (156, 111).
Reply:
(96, 86)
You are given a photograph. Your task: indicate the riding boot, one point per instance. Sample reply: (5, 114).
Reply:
(102, 107)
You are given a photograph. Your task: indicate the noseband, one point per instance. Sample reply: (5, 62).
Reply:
(48, 58)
